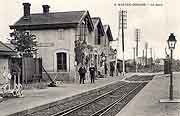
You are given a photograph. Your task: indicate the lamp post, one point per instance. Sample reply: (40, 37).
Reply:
(171, 43)
(115, 67)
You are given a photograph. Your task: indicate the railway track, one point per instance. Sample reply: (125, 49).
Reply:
(117, 106)
(105, 101)
(102, 104)
(75, 101)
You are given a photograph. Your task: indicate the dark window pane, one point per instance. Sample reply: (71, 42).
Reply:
(61, 61)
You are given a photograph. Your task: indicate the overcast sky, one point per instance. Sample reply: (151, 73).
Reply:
(155, 22)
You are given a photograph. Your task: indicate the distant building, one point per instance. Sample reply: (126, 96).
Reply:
(159, 61)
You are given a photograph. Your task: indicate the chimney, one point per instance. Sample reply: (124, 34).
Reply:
(26, 10)
(45, 9)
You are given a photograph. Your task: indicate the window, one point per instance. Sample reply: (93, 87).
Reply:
(61, 61)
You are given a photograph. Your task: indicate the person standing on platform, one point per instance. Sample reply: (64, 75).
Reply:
(105, 69)
(82, 73)
(92, 70)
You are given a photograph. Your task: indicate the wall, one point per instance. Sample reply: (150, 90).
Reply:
(91, 39)
(51, 42)
(3, 68)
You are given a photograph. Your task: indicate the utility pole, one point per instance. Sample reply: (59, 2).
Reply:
(123, 25)
(143, 58)
(115, 67)
(151, 58)
(134, 52)
(137, 34)
(146, 47)
(154, 54)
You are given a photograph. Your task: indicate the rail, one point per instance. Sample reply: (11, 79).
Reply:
(72, 109)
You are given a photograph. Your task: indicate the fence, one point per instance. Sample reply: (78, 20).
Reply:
(31, 69)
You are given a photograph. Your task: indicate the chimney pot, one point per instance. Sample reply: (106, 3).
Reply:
(26, 10)
(45, 9)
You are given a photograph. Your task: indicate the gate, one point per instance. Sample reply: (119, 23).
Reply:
(31, 69)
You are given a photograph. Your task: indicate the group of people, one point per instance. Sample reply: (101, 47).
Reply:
(82, 73)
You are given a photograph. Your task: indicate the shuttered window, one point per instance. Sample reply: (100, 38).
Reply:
(61, 61)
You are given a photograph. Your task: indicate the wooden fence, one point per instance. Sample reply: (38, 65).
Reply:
(31, 69)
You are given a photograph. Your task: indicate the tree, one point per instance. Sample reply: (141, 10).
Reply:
(24, 42)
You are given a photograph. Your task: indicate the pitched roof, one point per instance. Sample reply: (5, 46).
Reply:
(97, 23)
(107, 30)
(6, 50)
(50, 20)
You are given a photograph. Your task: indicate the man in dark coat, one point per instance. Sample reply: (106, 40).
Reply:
(82, 73)
(92, 70)
(105, 68)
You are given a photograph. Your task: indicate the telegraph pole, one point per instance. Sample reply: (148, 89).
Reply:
(123, 25)
(146, 47)
(137, 32)
(134, 61)
(143, 57)
(151, 58)
(115, 67)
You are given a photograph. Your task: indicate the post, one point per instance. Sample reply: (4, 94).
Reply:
(143, 59)
(115, 67)
(119, 22)
(134, 55)
(146, 47)
(137, 35)
(123, 25)
(123, 42)
(123, 65)
(171, 79)
(151, 59)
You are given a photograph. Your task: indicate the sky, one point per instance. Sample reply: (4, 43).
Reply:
(155, 22)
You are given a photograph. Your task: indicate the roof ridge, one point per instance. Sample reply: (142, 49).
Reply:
(68, 19)
(58, 12)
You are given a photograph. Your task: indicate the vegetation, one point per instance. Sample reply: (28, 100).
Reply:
(24, 42)
(80, 48)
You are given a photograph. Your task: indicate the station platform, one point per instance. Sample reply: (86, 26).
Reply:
(147, 101)
(37, 97)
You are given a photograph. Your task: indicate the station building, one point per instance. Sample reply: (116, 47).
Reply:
(57, 34)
